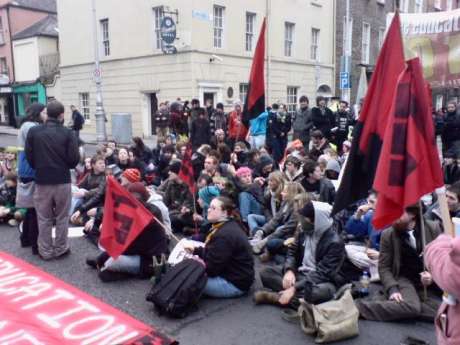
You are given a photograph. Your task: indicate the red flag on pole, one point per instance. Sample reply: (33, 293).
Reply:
(409, 166)
(254, 104)
(124, 219)
(359, 170)
(186, 170)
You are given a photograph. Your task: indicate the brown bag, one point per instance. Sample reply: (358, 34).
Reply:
(330, 321)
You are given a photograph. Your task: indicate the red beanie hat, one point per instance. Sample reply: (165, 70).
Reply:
(132, 175)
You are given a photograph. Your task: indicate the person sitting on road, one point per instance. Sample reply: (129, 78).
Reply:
(313, 263)
(281, 227)
(402, 273)
(319, 187)
(227, 253)
(136, 260)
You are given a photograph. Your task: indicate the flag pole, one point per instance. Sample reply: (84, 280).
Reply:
(423, 235)
(166, 229)
(445, 215)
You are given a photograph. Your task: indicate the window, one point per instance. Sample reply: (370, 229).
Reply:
(365, 46)
(218, 26)
(250, 20)
(439, 101)
(437, 4)
(3, 66)
(288, 38)
(243, 92)
(350, 23)
(449, 5)
(314, 54)
(84, 105)
(291, 99)
(418, 6)
(404, 5)
(381, 36)
(105, 37)
(158, 14)
(2, 37)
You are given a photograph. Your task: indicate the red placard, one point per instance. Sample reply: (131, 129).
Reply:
(37, 308)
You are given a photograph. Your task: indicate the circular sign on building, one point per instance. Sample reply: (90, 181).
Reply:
(168, 30)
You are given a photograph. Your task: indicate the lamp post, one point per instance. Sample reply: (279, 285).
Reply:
(101, 133)
(346, 58)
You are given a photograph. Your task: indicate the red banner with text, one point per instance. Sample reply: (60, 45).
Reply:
(37, 308)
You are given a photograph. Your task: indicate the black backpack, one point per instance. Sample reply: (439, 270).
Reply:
(180, 289)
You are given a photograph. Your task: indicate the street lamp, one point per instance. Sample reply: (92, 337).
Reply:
(101, 133)
(346, 58)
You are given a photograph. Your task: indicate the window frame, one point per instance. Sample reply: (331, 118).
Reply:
(85, 109)
(249, 34)
(158, 15)
(314, 47)
(105, 35)
(289, 28)
(243, 92)
(218, 26)
(365, 53)
(2, 33)
(292, 99)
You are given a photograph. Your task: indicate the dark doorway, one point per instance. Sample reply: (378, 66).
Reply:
(153, 110)
(208, 96)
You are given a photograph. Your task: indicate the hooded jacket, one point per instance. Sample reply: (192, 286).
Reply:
(326, 246)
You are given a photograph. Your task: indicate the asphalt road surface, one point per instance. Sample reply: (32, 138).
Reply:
(217, 322)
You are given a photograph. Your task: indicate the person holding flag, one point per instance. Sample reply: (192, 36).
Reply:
(132, 234)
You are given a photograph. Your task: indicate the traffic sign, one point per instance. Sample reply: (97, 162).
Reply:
(344, 80)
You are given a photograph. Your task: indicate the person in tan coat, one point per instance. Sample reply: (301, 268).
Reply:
(402, 273)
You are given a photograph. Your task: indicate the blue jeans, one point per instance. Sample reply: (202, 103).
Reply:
(218, 287)
(248, 205)
(255, 221)
(130, 264)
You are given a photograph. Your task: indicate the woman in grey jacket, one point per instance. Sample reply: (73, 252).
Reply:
(35, 114)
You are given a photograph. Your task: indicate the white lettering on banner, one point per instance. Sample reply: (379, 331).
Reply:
(114, 335)
(59, 294)
(19, 337)
(30, 291)
(77, 319)
(92, 321)
(52, 321)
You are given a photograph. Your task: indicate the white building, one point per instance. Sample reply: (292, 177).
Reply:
(215, 44)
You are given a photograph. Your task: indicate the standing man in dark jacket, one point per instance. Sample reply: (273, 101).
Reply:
(200, 132)
(323, 117)
(451, 132)
(278, 126)
(313, 262)
(77, 121)
(218, 119)
(302, 122)
(52, 150)
(344, 121)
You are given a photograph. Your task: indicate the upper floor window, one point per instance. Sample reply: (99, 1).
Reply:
(243, 92)
(105, 37)
(418, 6)
(288, 38)
(449, 5)
(218, 26)
(437, 4)
(2, 33)
(404, 5)
(84, 105)
(381, 36)
(314, 52)
(3, 66)
(365, 46)
(158, 14)
(250, 21)
(291, 100)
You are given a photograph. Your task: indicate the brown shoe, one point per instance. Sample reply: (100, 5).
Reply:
(266, 297)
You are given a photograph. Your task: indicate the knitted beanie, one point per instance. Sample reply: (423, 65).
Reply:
(132, 175)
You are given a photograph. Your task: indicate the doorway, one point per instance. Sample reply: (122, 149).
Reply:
(209, 97)
(153, 109)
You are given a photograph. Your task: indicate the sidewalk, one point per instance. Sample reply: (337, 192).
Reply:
(88, 138)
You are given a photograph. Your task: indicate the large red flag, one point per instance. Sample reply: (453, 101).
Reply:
(254, 104)
(362, 161)
(186, 170)
(409, 166)
(124, 219)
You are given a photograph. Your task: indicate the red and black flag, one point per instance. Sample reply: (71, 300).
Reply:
(124, 219)
(361, 164)
(254, 104)
(409, 166)
(186, 170)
